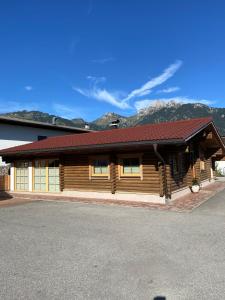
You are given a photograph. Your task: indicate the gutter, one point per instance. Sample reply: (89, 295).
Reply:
(29, 123)
(165, 187)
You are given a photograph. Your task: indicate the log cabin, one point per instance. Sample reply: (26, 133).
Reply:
(151, 163)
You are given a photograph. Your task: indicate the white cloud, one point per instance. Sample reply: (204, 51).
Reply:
(120, 100)
(67, 112)
(169, 90)
(28, 88)
(95, 80)
(148, 86)
(103, 95)
(141, 104)
(103, 60)
(90, 7)
(73, 45)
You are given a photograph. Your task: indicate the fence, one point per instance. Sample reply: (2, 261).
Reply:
(4, 183)
(4, 178)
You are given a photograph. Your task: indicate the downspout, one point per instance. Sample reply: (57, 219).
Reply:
(166, 192)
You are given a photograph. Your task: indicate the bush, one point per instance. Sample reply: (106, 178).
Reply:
(4, 170)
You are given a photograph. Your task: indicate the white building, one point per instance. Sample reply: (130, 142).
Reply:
(15, 132)
(220, 164)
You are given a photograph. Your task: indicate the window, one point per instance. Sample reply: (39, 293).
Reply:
(41, 137)
(130, 166)
(177, 163)
(99, 166)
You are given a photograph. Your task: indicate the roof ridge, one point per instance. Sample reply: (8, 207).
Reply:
(179, 130)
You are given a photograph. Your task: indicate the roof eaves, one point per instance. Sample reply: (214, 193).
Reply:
(94, 147)
(197, 131)
(203, 127)
(41, 124)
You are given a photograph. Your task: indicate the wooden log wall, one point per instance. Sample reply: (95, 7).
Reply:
(76, 176)
(203, 174)
(184, 177)
(150, 182)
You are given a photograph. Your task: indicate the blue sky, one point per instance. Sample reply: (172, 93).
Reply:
(84, 58)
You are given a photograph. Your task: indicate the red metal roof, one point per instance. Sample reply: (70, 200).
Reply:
(167, 131)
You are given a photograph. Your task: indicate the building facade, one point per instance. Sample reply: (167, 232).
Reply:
(15, 132)
(152, 163)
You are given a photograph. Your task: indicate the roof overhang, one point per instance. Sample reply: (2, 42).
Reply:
(95, 147)
(116, 146)
(29, 123)
(217, 135)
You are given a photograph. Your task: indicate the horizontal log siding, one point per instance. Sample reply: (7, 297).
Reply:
(148, 184)
(181, 179)
(185, 176)
(203, 174)
(76, 175)
(61, 174)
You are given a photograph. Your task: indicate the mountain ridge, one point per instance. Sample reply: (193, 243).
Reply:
(156, 113)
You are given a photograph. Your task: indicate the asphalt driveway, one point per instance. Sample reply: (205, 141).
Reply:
(58, 250)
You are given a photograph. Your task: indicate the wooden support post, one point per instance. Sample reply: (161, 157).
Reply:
(113, 173)
(161, 180)
(61, 173)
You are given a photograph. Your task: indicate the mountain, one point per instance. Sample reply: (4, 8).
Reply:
(157, 112)
(185, 111)
(79, 122)
(39, 117)
(104, 121)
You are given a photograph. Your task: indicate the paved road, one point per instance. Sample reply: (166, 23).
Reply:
(56, 250)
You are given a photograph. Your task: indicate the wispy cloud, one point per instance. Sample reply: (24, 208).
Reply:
(103, 60)
(66, 111)
(149, 85)
(95, 80)
(118, 99)
(101, 94)
(141, 104)
(73, 45)
(90, 7)
(169, 90)
(28, 88)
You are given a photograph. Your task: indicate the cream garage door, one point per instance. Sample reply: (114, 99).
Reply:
(46, 176)
(40, 176)
(53, 176)
(22, 176)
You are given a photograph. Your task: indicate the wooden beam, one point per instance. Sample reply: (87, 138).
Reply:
(209, 136)
(61, 174)
(113, 173)
(161, 180)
